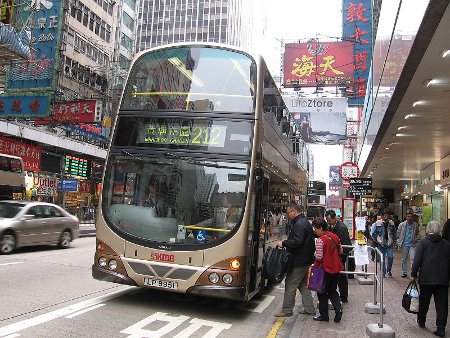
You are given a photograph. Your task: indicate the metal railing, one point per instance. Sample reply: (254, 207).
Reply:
(378, 277)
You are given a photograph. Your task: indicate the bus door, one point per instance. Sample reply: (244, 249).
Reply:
(259, 233)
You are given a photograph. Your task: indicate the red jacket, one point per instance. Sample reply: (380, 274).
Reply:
(327, 253)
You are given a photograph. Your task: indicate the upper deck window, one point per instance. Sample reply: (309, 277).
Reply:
(191, 78)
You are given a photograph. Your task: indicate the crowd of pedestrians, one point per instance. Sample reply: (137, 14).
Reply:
(429, 259)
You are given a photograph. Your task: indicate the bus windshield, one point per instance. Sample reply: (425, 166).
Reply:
(170, 199)
(191, 78)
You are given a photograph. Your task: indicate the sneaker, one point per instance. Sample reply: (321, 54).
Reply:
(344, 300)
(321, 319)
(404, 275)
(389, 274)
(283, 314)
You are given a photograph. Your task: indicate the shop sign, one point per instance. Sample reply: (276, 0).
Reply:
(86, 186)
(45, 186)
(24, 106)
(31, 155)
(70, 112)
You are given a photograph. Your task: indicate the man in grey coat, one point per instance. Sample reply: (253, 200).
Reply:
(407, 237)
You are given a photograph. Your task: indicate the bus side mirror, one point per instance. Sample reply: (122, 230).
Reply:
(259, 174)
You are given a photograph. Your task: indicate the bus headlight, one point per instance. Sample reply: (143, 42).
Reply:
(112, 264)
(213, 278)
(102, 261)
(227, 278)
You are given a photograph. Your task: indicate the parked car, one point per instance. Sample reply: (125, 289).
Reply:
(26, 223)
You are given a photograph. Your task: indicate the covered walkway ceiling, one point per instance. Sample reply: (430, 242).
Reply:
(415, 131)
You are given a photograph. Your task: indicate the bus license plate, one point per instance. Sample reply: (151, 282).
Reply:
(157, 283)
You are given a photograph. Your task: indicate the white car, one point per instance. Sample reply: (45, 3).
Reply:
(26, 223)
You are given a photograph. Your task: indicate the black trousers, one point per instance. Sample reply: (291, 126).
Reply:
(331, 293)
(440, 294)
(343, 281)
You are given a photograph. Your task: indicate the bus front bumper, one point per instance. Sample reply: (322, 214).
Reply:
(225, 292)
(111, 276)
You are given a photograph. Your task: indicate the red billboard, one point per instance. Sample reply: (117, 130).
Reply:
(31, 155)
(318, 64)
(70, 112)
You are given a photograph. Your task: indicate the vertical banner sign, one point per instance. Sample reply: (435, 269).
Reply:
(335, 182)
(357, 27)
(348, 215)
(39, 71)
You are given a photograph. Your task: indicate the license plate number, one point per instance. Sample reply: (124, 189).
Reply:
(158, 283)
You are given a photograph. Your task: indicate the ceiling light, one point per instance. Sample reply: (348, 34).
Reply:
(400, 135)
(430, 82)
(417, 103)
(402, 127)
(445, 53)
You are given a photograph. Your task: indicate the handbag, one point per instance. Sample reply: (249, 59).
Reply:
(316, 279)
(410, 300)
(278, 262)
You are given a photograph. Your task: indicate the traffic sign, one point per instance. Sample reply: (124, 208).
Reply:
(349, 170)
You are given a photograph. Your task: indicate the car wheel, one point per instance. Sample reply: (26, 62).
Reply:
(7, 243)
(65, 239)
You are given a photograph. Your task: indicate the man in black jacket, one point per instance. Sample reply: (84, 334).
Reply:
(300, 244)
(432, 263)
(339, 228)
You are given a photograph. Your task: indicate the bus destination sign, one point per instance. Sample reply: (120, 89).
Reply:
(172, 131)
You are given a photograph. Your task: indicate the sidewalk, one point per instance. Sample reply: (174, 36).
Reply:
(355, 320)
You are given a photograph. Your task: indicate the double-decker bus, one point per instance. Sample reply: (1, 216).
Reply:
(200, 164)
(316, 200)
(12, 177)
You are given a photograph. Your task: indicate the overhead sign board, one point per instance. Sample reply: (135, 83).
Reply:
(360, 186)
(69, 184)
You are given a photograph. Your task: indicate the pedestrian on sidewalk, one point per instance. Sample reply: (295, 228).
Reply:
(340, 229)
(407, 238)
(383, 232)
(432, 264)
(446, 231)
(328, 250)
(300, 244)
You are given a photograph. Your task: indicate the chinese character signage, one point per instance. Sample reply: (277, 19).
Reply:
(325, 123)
(24, 106)
(92, 130)
(38, 72)
(76, 166)
(71, 112)
(86, 186)
(31, 155)
(318, 63)
(357, 27)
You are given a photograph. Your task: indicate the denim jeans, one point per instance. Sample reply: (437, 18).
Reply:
(407, 251)
(388, 254)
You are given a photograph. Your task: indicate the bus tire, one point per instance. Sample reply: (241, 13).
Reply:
(7, 243)
(65, 239)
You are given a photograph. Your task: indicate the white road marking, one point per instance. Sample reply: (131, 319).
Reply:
(46, 317)
(13, 335)
(137, 330)
(256, 305)
(85, 310)
(12, 263)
